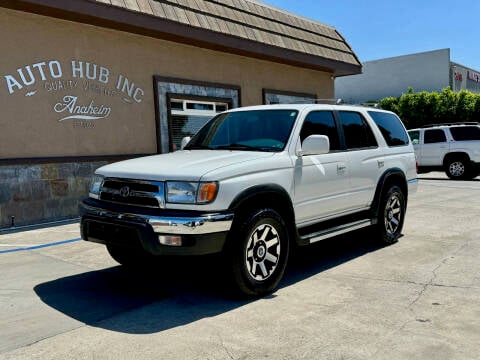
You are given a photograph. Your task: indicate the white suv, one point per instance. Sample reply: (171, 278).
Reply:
(252, 183)
(453, 148)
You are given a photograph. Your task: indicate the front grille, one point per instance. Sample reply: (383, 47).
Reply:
(133, 192)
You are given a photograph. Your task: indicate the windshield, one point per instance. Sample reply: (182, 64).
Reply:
(253, 130)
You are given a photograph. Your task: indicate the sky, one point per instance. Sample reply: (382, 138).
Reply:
(377, 29)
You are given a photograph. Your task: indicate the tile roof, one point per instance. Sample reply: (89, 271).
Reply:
(250, 20)
(245, 27)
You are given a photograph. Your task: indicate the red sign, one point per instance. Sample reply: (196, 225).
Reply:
(472, 75)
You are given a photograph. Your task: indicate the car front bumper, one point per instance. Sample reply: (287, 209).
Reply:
(200, 233)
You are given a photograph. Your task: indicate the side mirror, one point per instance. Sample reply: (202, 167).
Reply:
(315, 145)
(184, 142)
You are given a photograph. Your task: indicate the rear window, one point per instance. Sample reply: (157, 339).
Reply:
(461, 133)
(391, 128)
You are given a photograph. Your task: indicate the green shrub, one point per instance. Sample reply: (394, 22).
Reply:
(417, 109)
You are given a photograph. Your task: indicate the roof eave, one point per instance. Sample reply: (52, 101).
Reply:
(108, 16)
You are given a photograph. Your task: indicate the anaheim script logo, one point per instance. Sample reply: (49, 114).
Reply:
(74, 111)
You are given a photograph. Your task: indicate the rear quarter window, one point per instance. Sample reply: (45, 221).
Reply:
(462, 133)
(391, 128)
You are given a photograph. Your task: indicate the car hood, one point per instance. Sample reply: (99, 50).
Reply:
(186, 165)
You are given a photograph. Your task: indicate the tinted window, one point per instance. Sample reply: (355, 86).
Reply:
(391, 128)
(414, 136)
(465, 133)
(321, 123)
(255, 130)
(434, 136)
(356, 130)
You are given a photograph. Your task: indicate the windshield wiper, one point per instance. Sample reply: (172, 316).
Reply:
(198, 147)
(248, 148)
(237, 147)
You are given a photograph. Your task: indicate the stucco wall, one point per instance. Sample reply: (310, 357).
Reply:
(427, 71)
(62, 56)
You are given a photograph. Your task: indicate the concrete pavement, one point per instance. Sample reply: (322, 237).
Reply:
(345, 298)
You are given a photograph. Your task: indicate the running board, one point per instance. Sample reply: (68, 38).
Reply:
(337, 230)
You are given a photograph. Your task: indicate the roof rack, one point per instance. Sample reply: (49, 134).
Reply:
(450, 124)
(333, 102)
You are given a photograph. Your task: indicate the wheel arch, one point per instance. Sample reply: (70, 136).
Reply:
(389, 177)
(459, 154)
(266, 196)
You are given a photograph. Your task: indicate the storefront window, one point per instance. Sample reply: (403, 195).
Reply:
(183, 106)
(188, 116)
(287, 97)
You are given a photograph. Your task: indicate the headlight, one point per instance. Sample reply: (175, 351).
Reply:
(95, 185)
(182, 192)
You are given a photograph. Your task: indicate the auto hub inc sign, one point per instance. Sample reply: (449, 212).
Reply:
(84, 91)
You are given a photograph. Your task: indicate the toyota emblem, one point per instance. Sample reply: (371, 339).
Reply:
(125, 191)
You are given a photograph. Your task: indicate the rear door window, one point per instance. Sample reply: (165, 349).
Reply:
(356, 130)
(434, 136)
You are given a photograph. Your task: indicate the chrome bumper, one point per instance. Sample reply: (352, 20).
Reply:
(189, 225)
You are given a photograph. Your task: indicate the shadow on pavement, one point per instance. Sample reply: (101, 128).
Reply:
(180, 291)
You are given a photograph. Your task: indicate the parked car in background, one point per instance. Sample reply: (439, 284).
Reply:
(453, 148)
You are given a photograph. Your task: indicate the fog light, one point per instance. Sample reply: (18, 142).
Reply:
(170, 240)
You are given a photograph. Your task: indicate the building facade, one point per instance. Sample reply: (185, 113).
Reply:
(84, 83)
(426, 71)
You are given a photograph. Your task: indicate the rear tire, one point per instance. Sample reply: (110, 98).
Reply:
(391, 215)
(458, 168)
(257, 252)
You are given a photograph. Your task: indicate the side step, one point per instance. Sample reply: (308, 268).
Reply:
(337, 230)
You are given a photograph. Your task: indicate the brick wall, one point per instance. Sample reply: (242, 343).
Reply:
(43, 192)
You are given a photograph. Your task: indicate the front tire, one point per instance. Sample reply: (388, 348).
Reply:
(129, 257)
(257, 252)
(391, 215)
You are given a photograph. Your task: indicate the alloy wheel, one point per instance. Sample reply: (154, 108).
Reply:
(393, 214)
(456, 168)
(262, 252)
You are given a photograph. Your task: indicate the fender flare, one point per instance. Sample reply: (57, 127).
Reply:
(386, 177)
(282, 200)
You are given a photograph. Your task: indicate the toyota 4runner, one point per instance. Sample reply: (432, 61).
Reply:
(453, 148)
(252, 183)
